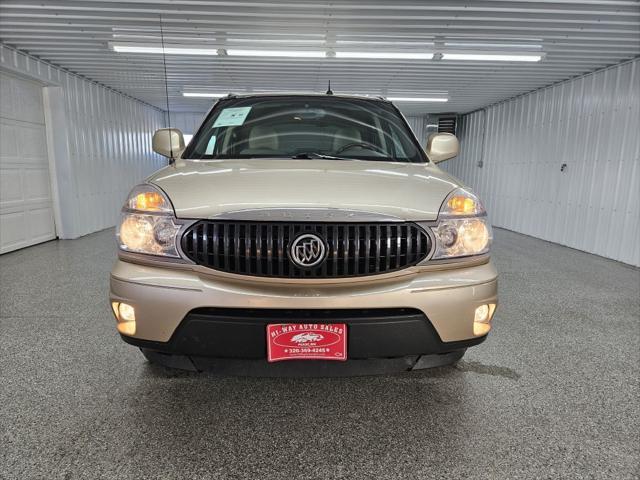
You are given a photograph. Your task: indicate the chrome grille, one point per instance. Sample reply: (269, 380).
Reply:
(262, 248)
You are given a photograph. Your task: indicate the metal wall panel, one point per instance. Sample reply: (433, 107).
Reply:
(591, 124)
(419, 126)
(107, 141)
(188, 122)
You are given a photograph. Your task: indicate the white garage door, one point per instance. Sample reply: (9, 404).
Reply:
(26, 207)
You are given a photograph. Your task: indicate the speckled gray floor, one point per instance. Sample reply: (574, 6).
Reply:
(553, 393)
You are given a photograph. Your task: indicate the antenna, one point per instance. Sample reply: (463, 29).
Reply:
(329, 91)
(166, 90)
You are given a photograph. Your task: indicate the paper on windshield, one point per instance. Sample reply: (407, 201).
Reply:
(232, 116)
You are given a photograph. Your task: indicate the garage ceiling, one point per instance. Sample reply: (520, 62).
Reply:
(572, 37)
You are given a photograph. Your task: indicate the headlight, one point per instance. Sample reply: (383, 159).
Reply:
(147, 223)
(462, 229)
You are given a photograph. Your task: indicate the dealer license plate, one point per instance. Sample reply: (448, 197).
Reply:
(306, 341)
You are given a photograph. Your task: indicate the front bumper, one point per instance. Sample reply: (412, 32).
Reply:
(178, 310)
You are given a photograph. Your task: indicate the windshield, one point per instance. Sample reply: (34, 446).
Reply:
(306, 128)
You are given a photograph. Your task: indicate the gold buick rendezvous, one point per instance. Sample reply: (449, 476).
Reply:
(303, 235)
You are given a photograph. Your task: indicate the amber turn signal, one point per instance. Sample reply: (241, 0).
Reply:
(149, 202)
(462, 205)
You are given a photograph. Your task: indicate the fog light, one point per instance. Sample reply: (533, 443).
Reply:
(127, 328)
(481, 328)
(114, 307)
(482, 319)
(126, 313)
(482, 314)
(126, 317)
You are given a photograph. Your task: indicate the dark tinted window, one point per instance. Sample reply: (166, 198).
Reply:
(286, 127)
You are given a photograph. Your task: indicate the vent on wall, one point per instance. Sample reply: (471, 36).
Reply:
(447, 124)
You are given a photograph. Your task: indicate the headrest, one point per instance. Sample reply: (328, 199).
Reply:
(345, 136)
(263, 138)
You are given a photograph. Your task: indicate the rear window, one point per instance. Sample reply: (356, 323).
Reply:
(305, 127)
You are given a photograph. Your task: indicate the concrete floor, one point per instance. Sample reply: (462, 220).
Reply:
(553, 393)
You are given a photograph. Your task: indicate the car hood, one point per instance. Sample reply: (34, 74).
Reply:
(214, 188)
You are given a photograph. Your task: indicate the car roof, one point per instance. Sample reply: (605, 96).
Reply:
(295, 94)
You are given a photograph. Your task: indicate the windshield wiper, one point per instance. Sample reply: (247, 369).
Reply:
(315, 155)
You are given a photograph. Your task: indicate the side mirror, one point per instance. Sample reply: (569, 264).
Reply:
(442, 146)
(168, 142)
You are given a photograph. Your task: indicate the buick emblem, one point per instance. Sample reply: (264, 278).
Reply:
(307, 250)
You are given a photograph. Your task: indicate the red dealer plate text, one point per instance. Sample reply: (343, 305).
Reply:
(306, 341)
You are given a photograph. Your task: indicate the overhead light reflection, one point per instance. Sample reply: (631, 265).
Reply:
(204, 94)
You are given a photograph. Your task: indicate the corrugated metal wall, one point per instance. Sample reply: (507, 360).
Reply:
(188, 122)
(591, 124)
(110, 149)
(108, 144)
(419, 127)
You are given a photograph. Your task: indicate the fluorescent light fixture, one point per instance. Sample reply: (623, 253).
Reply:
(132, 48)
(417, 99)
(494, 46)
(135, 36)
(490, 57)
(286, 43)
(368, 43)
(386, 55)
(276, 53)
(203, 94)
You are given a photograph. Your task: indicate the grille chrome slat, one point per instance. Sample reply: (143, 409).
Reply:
(367, 247)
(335, 246)
(259, 249)
(224, 251)
(345, 249)
(378, 237)
(388, 247)
(356, 249)
(269, 250)
(398, 246)
(215, 250)
(280, 238)
(324, 232)
(205, 244)
(262, 248)
(236, 246)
